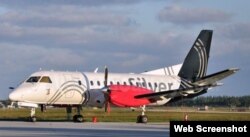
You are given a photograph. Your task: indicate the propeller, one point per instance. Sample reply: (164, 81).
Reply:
(106, 91)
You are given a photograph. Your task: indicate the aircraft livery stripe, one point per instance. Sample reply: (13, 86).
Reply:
(87, 94)
(199, 72)
(200, 49)
(64, 88)
(168, 71)
(203, 49)
(165, 71)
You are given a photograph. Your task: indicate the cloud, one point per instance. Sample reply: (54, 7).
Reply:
(138, 60)
(187, 16)
(83, 35)
(63, 25)
(65, 16)
(236, 31)
(232, 38)
(20, 57)
(84, 3)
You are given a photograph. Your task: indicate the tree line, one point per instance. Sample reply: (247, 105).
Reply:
(215, 101)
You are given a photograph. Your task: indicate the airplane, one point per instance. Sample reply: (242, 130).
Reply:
(94, 89)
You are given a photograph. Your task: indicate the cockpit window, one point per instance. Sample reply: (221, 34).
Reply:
(45, 79)
(33, 79)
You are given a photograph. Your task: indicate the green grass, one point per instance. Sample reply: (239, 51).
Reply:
(126, 115)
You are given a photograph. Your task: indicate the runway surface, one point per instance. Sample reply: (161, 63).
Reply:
(70, 129)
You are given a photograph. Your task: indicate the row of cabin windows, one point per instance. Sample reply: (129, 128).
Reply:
(124, 83)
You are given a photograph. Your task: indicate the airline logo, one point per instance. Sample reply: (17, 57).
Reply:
(203, 58)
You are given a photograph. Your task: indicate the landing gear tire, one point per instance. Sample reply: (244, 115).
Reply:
(142, 119)
(78, 118)
(32, 119)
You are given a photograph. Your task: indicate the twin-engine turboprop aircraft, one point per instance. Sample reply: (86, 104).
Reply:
(156, 87)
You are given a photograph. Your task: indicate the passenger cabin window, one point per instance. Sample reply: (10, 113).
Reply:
(124, 83)
(45, 79)
(33, 79)
(149, 84)
(98, 83)
(91, 83)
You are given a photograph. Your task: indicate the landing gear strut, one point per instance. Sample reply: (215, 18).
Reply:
(142, 118)
(78, 117)
(32, 117)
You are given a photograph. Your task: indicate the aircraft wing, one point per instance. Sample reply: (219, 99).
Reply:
(213, 78)
(174, 93)
(200, 85)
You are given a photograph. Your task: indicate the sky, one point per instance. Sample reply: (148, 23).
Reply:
(126, 35)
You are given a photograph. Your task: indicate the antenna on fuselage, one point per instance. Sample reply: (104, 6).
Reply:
(96, 70)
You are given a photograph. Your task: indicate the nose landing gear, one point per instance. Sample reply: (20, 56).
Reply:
(32, 117)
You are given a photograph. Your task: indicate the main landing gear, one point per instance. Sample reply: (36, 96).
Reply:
(142, 118)
(78, 117)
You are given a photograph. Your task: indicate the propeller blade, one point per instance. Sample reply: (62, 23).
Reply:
(106, 76)
(106, 102)
(107, 106)
(106, 91)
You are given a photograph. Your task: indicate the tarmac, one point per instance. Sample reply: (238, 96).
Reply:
(70, 129)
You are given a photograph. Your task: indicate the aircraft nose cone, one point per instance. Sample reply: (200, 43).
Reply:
(13, 96)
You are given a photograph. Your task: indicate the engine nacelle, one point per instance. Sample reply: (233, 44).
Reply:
(96, 98)
(123, 96)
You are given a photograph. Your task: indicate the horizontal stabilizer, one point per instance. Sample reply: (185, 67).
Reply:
(213, 78)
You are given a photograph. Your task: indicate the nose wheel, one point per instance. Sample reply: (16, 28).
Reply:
(142, 118)
(32, 119)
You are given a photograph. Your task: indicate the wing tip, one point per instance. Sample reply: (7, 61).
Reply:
(234, 69)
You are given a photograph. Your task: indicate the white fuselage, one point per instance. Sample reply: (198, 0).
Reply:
(74, 88)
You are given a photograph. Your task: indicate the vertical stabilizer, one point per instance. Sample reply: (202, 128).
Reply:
(195, 63)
